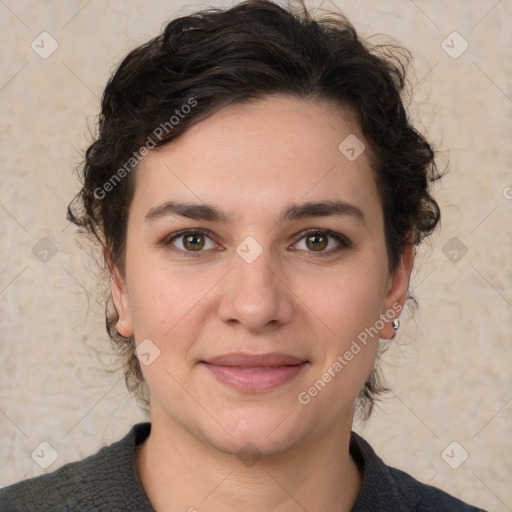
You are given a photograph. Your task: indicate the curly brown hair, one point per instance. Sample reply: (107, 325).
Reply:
(215, 57)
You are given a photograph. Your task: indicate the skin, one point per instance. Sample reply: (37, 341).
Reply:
(252, 160)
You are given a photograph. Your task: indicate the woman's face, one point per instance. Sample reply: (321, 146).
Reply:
(259, 328)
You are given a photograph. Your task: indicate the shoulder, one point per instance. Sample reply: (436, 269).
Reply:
(106, 480)
(385, 488)
(429, 498)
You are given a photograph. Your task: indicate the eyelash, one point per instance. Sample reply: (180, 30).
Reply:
(343, 241)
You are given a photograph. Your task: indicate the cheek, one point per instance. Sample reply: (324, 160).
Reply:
(350, 304)
(166, 303)
(150, 301)
(348, 299)
(345, 352)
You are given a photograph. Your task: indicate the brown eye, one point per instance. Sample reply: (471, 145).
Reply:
(193, 242)
(316, 242)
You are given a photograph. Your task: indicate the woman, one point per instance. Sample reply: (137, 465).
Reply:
(258, 192)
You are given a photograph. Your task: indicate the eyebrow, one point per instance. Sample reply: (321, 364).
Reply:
(291, 212)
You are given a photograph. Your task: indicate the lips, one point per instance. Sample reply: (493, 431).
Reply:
(253, 361)
(252, 373)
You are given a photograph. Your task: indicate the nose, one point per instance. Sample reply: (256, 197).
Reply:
(256, 295)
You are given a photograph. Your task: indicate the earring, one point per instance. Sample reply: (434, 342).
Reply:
(395, 324)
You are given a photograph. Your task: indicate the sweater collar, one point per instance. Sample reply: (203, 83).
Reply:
(379, 487)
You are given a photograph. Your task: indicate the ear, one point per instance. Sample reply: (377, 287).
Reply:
(397, 290)
(121, 303)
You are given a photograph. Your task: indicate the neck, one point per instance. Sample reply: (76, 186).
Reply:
(180, 472)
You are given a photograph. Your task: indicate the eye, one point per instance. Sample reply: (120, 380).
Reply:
(191, 241)
(317, 240)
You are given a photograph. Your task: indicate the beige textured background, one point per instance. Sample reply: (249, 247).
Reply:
(451, 367)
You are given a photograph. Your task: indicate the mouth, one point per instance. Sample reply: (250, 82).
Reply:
(254, 373)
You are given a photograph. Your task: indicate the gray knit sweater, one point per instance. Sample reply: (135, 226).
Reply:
(108, 482)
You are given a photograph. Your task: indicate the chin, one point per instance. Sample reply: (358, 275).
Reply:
(256, 433)
(254, 442)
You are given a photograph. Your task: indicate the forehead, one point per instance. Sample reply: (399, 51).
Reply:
(261, 154)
